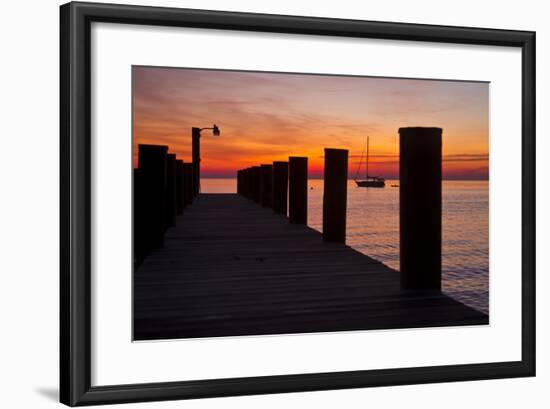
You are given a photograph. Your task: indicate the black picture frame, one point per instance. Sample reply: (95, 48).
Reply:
(75, 203)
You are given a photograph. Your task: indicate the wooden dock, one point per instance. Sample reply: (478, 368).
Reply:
(230, 267)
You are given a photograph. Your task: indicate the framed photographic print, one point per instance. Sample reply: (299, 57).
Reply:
(261, 203)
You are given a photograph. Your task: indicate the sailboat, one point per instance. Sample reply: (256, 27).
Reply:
(369, 181)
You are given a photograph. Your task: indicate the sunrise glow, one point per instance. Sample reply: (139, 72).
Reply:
(266, 117)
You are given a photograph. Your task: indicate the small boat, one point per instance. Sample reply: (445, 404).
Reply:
(369, 181)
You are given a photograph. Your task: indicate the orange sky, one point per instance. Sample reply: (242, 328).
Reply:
(265, 117)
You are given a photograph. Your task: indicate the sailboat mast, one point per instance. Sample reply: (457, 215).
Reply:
(367, 170)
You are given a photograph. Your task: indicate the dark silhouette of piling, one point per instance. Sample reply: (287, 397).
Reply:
(139, 215)
(420, 207)
(188, 183)
(152, 181)
(249, 183)
(241, 182)
(196, 147)
(297, 190)
(266, 185)
(255, 184)
(280, 187)
(170, 203)
(335, 195)
(240, 174)
(246, 183)
(180, 202)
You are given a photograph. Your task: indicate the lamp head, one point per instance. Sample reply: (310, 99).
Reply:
(216, 130)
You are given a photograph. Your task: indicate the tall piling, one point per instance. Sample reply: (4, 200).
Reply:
(249, 183)
(420, 162)
(255, 184)
(335, 193)
(240, 182)
(171, 189)
(139, 216)
(196, 154)
(180, 202)
(297, 190)
(280, 187)
(188, 183)
(246, 183)
(266, 185)
(152, 174)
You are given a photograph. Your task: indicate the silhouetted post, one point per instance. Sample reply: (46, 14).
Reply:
(256, 183)
(240, 182)
(297, 190)
(180, 202)
(246, 183)
(280, 187)
(188, 183)
(139, 220)
(266, 185)
(152, 171)
(250, 184)
(170, 204)
(420, 207)
(196, 147)
(335, 194)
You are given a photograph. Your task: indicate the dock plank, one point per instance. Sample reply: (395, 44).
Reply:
(230, 267)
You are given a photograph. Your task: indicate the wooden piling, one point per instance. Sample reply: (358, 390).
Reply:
(196, 148)
(420, 207)
(180, 202)
(240, 182)
(335, 195)
(241, 177)
(280, 187)
(152, 170)
(241, 185)
(170, 203)
(297, 190)
(266, 185)
(188, 183)
(139, 218)
(246, 183)
(255, 184)
(250, 183)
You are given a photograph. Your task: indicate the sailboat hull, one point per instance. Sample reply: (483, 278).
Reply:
(370, 183)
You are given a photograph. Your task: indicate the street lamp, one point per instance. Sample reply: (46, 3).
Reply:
(215, 130)
(196, 146)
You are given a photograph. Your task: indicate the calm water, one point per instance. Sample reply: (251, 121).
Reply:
(373, 229)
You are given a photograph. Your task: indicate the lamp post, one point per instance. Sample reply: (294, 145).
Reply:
(196, 146)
